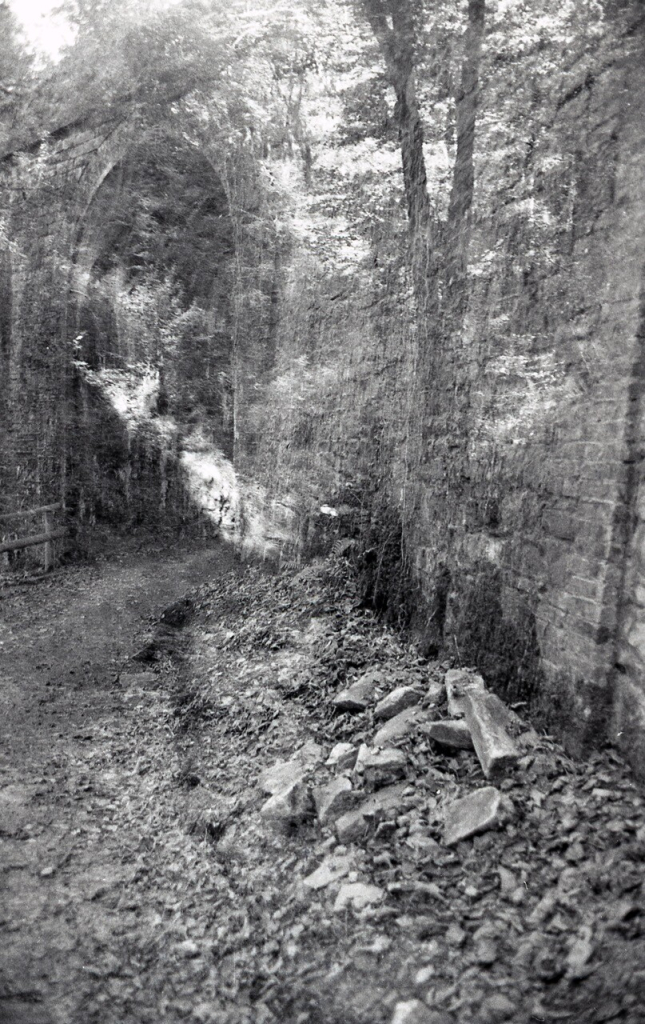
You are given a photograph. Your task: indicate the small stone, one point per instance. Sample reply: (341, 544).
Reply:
(332, 869)
(475, 813)
(332, 799)
(396, 701)
(579, 955)
(401, 726)
(351, 826)
(454, 735)
(293, 805)
(455, 935)
(310, 754)
(486, 952)
(496, 1009)
(459, 681)
(360, 694)
(507, 881)
(343, 755)
(425, 974)
(48, 872)
(412, 1011)
(189, 949)
(494, 747)
(358, 895)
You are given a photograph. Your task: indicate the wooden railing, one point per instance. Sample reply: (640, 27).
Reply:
(47, 537)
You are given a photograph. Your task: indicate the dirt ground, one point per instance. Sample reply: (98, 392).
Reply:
(142, 882)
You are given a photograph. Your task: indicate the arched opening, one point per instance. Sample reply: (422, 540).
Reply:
(151, 326)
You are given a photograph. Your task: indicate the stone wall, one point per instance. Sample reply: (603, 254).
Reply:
(505, 437)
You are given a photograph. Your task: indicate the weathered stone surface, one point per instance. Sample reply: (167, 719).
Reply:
(455, 735)
(281, 776)
(494, 747)
(332, 869)
(475, 813)
(332, 799)
(458, 682)
(402, 725)
(358, 895)
(396, 701)
(360, 694)
(342, 755)
(284, 774)
(292, 805)
(413, 1011)
(379, 763)
(352, 825)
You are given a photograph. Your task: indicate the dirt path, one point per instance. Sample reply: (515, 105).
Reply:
(145, 883)
(75, 754)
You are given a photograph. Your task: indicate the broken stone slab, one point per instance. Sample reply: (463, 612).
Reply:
(398, 700)
(380, 763)
(402, 725)
(290, 806)
(360, 694)
(460, 681)
(358, 895)
(478, 812)
(352, 825)
(449, 733)
(332, 869)
(494, 747)
(332, 799)
(342, 755)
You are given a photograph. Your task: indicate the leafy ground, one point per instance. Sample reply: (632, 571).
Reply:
(142, 884)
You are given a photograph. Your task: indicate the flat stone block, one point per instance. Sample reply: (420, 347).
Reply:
(475, 813)
(494, 747)
(459, 681)
(454, 735)
(396, 701)
(402, 725)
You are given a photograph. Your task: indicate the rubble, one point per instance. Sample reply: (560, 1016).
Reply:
(396, 701)
(472, 814)
(353, 824)
(494, 747)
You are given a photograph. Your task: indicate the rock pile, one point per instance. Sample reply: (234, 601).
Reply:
(366, 787)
